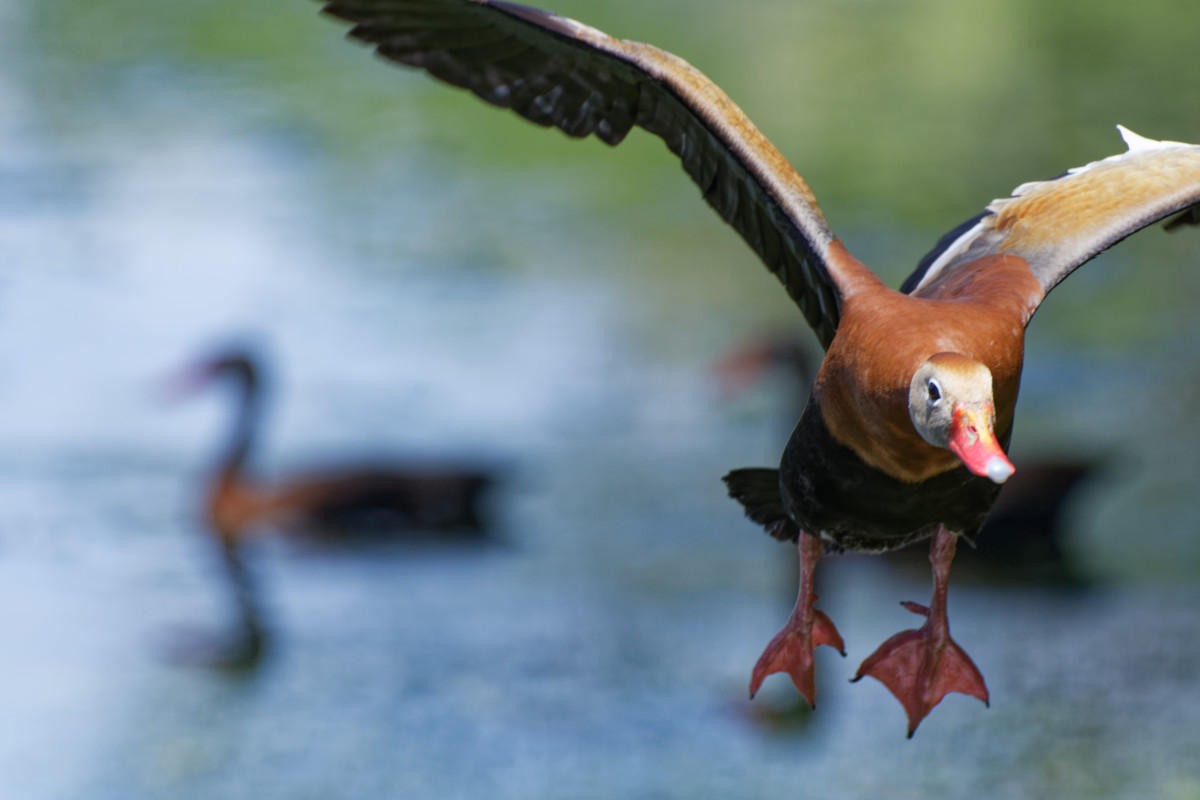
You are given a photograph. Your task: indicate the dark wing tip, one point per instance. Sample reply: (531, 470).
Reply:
(557, 72)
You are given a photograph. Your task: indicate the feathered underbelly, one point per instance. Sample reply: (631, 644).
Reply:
(829, 490)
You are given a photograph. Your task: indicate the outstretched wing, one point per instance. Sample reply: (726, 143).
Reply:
(558, 72)
(1059, 224)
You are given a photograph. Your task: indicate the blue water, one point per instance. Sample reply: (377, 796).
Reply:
(600, 647)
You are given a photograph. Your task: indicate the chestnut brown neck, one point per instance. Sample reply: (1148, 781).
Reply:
(884, 337)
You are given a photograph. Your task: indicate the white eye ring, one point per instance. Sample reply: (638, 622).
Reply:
(935, 392)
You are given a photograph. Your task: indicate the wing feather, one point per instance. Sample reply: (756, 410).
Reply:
(1060, 224)
(561, 73)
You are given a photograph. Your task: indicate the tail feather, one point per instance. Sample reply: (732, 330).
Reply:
(757, 489)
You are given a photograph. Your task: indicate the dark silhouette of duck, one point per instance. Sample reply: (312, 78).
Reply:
(419, 500)
(904, 435)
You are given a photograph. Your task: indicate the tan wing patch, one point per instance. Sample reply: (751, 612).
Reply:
(1109, 197)
(1059, 224)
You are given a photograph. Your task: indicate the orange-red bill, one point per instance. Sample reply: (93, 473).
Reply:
(973, 441)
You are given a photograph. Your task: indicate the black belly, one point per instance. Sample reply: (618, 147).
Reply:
(828, 489)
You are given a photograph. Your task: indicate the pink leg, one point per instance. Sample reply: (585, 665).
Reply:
(791, 650)
(922, 666)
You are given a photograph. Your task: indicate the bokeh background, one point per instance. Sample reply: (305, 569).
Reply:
(432, 276)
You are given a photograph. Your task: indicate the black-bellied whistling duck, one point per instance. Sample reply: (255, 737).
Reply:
(441, 499)
(1022, 538)
(903, 436)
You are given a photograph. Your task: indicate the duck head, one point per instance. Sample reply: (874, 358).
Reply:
(951, 406)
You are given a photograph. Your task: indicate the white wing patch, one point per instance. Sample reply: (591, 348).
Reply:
(1136, 142)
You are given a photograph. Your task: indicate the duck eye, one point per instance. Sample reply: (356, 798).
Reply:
(935, 392)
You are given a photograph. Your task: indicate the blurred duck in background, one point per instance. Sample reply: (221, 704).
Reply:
(1024, 538)
(421, 500)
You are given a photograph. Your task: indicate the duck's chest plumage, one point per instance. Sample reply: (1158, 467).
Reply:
(828, 489)
(855, 469)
